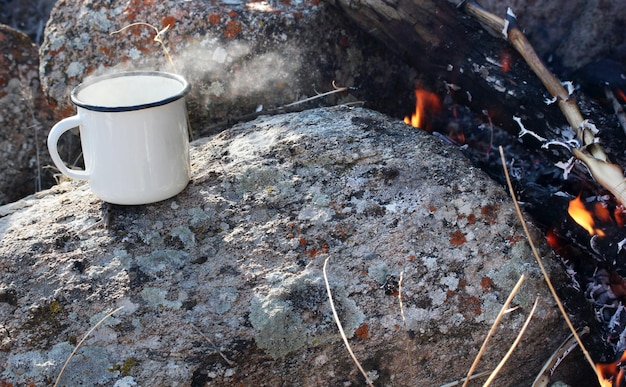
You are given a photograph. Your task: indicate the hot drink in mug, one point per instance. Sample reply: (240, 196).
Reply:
(133, 131)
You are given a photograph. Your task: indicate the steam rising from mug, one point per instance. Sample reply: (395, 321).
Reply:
(133, 128)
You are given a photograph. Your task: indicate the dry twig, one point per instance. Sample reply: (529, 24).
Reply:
(543, 269)
(56, 382)
(227, 360)
(290, 107)
(157, 38)
(338, 322)
(543, 378)
(513, 346)
(492, 331)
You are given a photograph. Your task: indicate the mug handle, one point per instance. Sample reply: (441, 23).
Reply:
(53, 138)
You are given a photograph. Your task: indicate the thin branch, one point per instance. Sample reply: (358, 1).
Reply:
(81, 342)
(227, 360)
(400, 297)
(290, 107)
(543, 270)
(513, 346)
(492, 331)
(157, 38)
(543, 378)
(338, 322)
(337, 90)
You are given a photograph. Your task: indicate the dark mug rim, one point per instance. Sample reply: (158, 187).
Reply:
(112, 109)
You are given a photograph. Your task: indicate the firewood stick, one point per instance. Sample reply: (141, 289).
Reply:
(608, 175)
(511, 31)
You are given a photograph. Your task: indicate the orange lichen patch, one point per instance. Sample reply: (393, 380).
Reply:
(514, 239)
(168, 21)
(232, 29)
(471, 218)
(490, 213)
(362, 332)
(432, 208)
(486, 283)
(55, 52)
(472, 306)
(131, 9)
(457, 238)
(411, 258)
(302, 241)
(105, 50)
(232, 13)
(215, 18)
(315, 251)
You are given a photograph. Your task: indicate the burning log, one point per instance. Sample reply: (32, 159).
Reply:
(480, 71)
(457, 57)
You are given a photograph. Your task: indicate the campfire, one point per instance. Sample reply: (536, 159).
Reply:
(563, 177)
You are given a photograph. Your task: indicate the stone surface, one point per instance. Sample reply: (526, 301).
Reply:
(24, 118)
(223, 284)
(239, 56)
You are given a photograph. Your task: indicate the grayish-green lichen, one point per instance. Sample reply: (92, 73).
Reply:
(162, 260)
(296, 313)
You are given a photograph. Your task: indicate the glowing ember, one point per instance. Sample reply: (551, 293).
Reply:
(621, 94)
(426, 104)
(612, 374)
(552, 239)
(583, 217)
(505, 62)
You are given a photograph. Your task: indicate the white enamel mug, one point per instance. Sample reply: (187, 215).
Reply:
(133, 132)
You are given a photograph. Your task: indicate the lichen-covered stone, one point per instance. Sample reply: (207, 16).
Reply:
(239, 56)
(223, 284)
(24, 118)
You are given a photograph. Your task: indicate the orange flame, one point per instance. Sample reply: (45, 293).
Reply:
(426, 104)
(612, 374)
(621, 94)
(582, 216)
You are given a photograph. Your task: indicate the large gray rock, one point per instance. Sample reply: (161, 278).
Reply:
(223, 284)
(239, 56)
